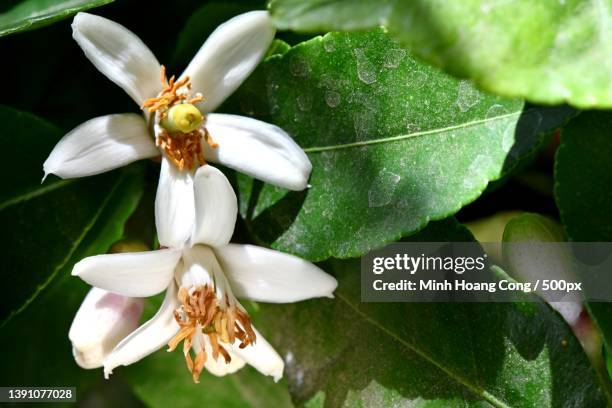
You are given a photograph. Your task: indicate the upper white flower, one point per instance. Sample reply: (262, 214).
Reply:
(177, 121)
(202, 281)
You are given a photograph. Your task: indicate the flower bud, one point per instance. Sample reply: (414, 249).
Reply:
(530, 255)
(531, 261)
(489, 232)
(128, 245)
(102, 321)
(184, 118)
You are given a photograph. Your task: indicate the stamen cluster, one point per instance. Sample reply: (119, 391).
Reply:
(202, 313)
(184, 150)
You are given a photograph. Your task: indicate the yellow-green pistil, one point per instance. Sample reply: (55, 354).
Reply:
(183, 118)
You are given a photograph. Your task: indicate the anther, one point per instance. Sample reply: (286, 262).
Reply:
(203, 314)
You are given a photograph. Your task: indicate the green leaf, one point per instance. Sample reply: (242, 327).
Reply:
(343, 352)
(36, 340)
(547, 51)
(31, 14)
(609, 364)
(278, 47)
(583, 176)
(49, 226)
(394, 143)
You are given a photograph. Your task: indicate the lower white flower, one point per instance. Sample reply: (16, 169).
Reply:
(203, 281)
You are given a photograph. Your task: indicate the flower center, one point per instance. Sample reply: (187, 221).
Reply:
(203, 314)
(182, 118)
(179, 124)
(184, 150)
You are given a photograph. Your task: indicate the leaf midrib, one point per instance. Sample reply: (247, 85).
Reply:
(492, 399)
(318, 149)
(35, 193)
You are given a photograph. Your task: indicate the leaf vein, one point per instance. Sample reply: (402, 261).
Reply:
(68, 256)
(318, 149)
(33, 194)
(493, 400)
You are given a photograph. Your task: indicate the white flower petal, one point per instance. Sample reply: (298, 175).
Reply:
(262, 356)
(266, 275)
(198, 267)
(101, 322)
(216, 208)
(99, 145)
(229, 56)
(219, 367)
(258, 149)
(148, 338)
(119, 54)
(137, 274)
(174, 206)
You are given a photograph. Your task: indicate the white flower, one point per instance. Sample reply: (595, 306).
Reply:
(202, 282)
(177, 120)
(102, 321)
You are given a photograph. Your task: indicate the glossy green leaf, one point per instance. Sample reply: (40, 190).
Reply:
(343, 352)
(38, 351)
(31, 14)
(36, 341)
(394, 143)
(46, 229)
(49, 226)
(545, 51)
(583, 176)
